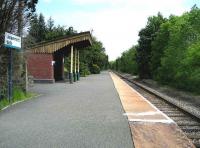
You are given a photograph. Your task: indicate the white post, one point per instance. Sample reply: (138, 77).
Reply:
(71, 70)
(75, 55)
(78, 70)
(26, 77)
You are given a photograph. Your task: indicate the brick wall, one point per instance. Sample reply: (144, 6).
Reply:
(40, 66)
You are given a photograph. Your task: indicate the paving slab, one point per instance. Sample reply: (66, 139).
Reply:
(150, 127)
(86, 114)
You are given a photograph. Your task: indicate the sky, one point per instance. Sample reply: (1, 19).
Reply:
(115, 23)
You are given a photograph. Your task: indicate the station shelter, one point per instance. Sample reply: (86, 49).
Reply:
(45, 60)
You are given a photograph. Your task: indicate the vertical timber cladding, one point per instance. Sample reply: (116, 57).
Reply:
(41, 67)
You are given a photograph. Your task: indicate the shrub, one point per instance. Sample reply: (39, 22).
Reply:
(95, 69)
(84, 70)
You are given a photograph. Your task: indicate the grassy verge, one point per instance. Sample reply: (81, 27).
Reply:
(18, 95)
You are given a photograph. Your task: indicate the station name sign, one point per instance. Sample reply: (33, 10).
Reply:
(12, 41)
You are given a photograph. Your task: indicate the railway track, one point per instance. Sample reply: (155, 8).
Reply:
(189, 123)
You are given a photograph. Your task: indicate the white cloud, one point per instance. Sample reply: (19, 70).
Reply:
(117, 26)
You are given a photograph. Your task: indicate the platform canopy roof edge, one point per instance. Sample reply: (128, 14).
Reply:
(82, 39)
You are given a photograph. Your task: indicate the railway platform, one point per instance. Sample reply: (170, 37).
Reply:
(88, 114)
(150, 127)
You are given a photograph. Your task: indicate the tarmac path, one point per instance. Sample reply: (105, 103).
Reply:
(86, 114)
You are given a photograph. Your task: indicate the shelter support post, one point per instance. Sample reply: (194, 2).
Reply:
(78, 67)
(75, 55)
(71, 66)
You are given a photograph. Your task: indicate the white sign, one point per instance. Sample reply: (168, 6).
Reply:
(12, 41)
(52, 63)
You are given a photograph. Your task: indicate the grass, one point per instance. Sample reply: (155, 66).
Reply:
(18, 95)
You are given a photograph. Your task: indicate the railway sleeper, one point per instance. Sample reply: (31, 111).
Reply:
(176, 115)
(168, 109)
(162, 106)
(193, 135)
(171, 112)
(190, 128)
(184, 118)
(187, 123)
(196, 142)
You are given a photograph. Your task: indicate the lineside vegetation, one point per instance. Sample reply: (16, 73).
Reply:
(168, 51)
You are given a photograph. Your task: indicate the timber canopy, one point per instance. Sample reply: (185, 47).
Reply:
(79, 40)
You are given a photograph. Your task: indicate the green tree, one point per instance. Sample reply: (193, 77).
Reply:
(158, 47)
(147, 35)
(33, 29)
(127, 62)
(41, 31)
(50, 24)
(41, 28)
(94, 55)
(177, 64)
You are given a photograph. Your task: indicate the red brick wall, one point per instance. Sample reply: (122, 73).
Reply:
(40, 66)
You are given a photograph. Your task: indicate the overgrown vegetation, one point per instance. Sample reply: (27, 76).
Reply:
(14, 16)
(18, 95)
(168, 51)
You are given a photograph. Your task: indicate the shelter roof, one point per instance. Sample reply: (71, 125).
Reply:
(79, 40)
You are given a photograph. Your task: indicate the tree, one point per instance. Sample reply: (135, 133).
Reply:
(41, 28)
(34, 29)
(50, 24)
(14, 15)
(94, 56)
(158, 47)
(41, 31)
(168, 50)
(127, 62)
(9, 14)
(147, 35)
(179, 62)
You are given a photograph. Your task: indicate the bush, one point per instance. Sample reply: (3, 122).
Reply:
(95, 69)
(84, 70)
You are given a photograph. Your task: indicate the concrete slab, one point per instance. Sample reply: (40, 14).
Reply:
(149, 126)
(158, 135)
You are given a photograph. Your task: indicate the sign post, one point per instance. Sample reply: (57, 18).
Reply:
(11, 42)
(10, 84)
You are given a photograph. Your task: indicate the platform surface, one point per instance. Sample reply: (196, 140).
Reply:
(150, 127)
(86, 114)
